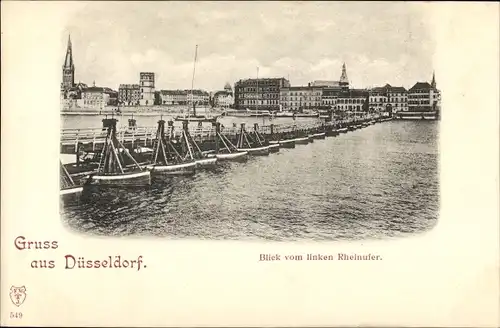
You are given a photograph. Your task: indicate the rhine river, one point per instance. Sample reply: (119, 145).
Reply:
(378, 182)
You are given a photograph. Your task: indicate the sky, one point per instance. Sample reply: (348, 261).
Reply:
(380, 42)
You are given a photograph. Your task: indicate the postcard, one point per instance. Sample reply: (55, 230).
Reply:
(188, 164)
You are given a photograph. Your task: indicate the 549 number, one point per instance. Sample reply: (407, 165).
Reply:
(16, 315)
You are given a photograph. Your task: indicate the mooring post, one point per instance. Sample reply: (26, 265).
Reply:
(217, 133)
(171, 129)
(77, 154)
(241, 134)
(161, 128)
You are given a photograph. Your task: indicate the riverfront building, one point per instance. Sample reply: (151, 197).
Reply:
(388, 98)
(147, 85)
(397, 99)
(184, 97)
(424, 97)
(98, 97)
(298, 98)
(354, 100)
(377, 99)
(259, 94)
(129, 94)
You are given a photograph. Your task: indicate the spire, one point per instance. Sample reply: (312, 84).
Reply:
(433, 83)
(68, 61)
(343, 78)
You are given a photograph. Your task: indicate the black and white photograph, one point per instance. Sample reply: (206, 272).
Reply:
(274, 121)
(250, 164)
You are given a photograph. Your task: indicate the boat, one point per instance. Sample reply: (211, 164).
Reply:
(238, 156)
(284, 114)
(237, 113)
(285, 143)
(274, 148)
(256, 151)
(202, 159)
(319, 135)
(195, 117)
(229, 152)
(307, 115)
(342, 130)
(67, 185)
(332, 132)
(301, 141)
(166, 159)
(113, 170)
(247, 144)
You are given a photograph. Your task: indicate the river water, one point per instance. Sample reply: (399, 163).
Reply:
(373, 183)
(95, 121)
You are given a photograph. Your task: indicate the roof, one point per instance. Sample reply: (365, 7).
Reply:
(388, 88)
(354, 93)
(93, 89)
(68, 60)
(301, 87)
(99, 89)
(262, 79)
(173, 92)
(323, 83)
(184, 92)
(129, 86)
(397, 89)
(421, 86)
(223, 93)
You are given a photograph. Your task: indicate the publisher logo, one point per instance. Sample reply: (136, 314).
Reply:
(17, 295)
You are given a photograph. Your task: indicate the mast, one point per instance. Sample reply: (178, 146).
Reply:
(192, 80)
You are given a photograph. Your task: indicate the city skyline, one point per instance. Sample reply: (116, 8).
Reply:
(300, 41)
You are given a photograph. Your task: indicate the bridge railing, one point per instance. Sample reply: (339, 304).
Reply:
(145, 135)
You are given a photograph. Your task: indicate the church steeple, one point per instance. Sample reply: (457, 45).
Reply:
(433, 83)
(68, 69)
(344, 81)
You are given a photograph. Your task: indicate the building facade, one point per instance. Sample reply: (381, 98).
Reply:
(423, 97)
(147, 88)
(198, 97)
(388, 98)
(129, 94)
(173, 97)
(299, 98)
(397, 99)
(329, 97)
(259, 94)
(223, 99)
(353, 100)
(377, 99)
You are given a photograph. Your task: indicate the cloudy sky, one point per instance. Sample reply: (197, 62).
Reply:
(386, 42)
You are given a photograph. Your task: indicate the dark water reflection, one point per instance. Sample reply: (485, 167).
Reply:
(381, 181)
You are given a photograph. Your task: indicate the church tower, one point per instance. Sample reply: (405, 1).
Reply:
(344, 81)
(433, 83)
(68, 69)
